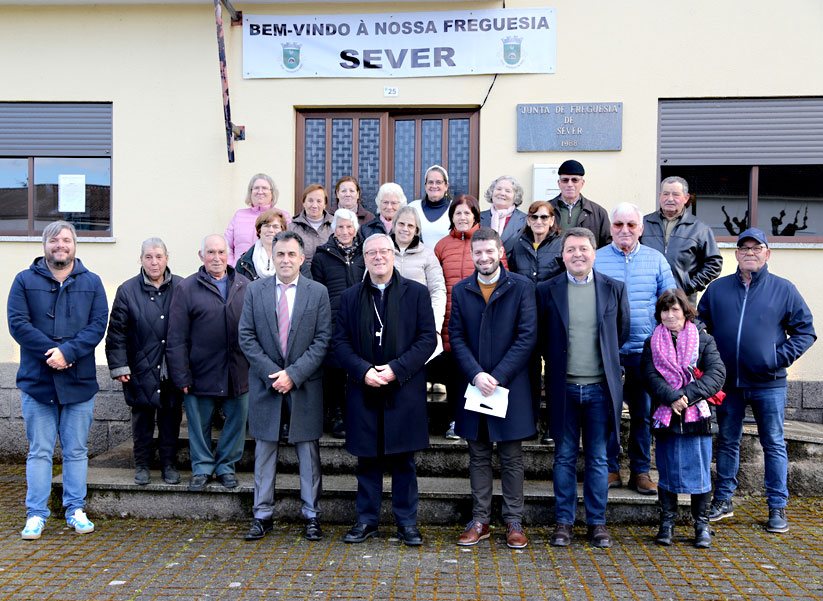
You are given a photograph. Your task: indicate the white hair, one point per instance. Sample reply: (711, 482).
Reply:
(346, 214)
(390, 188)
(153, 243)
(378, 236)
(625, 207)
(203, 243)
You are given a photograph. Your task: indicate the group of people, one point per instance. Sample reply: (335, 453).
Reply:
(342, 316)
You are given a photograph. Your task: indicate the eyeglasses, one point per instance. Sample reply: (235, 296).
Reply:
(631, 225)
(435, 182)
(271, 226)
(751, 250)
(383, 252)
(535, 217)
(574, 180)
(261, 189)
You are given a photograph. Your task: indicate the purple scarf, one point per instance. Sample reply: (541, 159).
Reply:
(676, 364)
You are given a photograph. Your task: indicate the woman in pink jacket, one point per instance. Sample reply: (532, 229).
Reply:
(240, 234)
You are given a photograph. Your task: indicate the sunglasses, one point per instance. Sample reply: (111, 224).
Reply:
(535, 217)
(631, 225)
(574, 180)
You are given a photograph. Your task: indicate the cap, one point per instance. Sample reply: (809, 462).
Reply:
(754, 234)
(571, 167)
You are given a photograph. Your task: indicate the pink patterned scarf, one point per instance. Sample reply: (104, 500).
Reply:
(676, 364)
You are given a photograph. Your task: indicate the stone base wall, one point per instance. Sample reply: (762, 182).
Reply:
(111, 425)
(112, 417)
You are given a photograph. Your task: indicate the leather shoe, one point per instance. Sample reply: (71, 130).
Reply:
(473, 534)
(599, 536)
(142, 476)
(614, 480)
(227, 480)
(410, 536)
(360, 532)
(259, 529)
(198, 482)
(515, 536)
(643, 484)
(170, 475)
(313, 531)
(562, 535)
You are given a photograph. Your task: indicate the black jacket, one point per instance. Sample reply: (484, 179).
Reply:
(691, 252)
(714, 374)
(203, 351)
(537, 265)
(136, 339)
(330, 268)
(593, 217)
(375, 226)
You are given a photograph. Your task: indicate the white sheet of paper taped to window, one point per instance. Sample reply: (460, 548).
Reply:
(496, 404)
(71, 193)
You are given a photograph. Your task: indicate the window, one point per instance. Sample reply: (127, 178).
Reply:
(40, 144)
(749, 162)
(382, 146)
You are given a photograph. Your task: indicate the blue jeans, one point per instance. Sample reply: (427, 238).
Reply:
(588, 408)
(768, 407)
(640, 408)
(44, 423)
(199, 412)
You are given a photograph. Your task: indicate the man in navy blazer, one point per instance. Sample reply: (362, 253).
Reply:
(292, 376)
(584, 320)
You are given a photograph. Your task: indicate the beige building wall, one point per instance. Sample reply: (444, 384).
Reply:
(158, 65)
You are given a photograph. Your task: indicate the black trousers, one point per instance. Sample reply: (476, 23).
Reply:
(167, 418)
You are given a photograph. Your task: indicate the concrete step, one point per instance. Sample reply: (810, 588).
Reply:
(443, 500)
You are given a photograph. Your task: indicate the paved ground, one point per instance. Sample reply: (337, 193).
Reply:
(142, 560)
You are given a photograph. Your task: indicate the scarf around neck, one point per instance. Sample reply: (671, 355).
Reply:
(500, 218)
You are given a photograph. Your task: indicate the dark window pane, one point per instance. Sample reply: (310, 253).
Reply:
(341, 149)
(314, 170)
(368, 163)
(14, 206)
(96, 213)
(790, 200)
(404, 157)
(431, 143)
(719, 194)
(459, 156)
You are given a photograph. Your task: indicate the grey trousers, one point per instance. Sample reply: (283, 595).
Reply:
(265, 472)
(480, 473)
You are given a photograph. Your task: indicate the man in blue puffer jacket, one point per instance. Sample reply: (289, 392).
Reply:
(646, 273)
(762, 325)
(57, 312)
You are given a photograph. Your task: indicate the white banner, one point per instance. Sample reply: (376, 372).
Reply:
(400, 45)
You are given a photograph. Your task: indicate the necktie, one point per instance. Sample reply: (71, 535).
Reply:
(283, 321)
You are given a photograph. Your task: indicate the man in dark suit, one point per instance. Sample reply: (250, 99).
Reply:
(383, 336)
(493, 332)
(584, 320)
(285, 330)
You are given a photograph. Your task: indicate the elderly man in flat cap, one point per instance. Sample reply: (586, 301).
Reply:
(575, 210)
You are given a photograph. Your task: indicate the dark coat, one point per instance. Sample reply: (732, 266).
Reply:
(613, 326)
(513, 228)
(405, 421)
(714, 373)
(760, 330)
(309, 338)
(537, 265)
(203, 352)
(44, 314)
(375, 226)
(136, 340)
(497, 338)
(692, 252)
(593, 217)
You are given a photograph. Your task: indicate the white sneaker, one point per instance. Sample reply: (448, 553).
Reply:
(34, 528)
(80, 522)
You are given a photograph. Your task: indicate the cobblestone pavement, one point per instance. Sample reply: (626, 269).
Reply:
(143, 560)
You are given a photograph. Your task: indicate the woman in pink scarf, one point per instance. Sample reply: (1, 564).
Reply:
(505, 194)
(682, 420)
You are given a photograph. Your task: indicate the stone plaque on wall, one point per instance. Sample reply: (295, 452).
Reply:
(569, 127)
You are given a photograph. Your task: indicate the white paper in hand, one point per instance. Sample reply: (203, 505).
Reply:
(496, 404)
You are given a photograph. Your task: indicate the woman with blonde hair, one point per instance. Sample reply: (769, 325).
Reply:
(261, 196)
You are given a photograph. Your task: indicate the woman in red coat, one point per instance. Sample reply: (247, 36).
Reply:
(455, 255)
